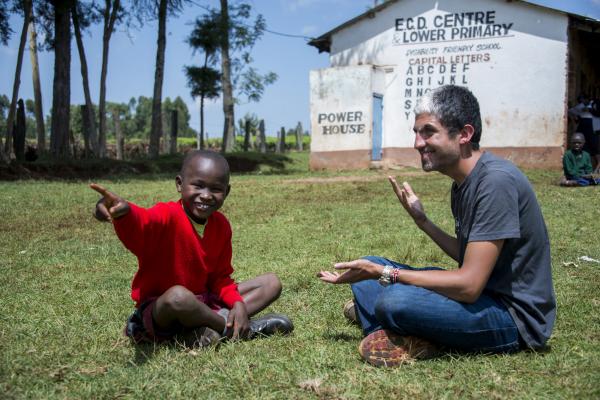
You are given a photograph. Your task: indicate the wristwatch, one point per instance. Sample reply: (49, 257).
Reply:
(384, 279)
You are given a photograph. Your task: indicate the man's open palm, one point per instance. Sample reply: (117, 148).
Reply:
(409, 200)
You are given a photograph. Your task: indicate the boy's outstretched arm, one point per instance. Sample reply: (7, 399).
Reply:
(110, 206)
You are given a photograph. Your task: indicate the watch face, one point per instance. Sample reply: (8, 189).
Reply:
(384, 281)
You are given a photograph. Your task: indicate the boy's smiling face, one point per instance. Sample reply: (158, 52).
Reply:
(576, 143)
(204, 185)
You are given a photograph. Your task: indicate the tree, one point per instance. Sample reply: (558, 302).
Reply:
(204, 81)
(37, 90)
(80, 14)
(61, 95)
(248, 125)
(157, 9)
(111, 13)
(26, 10)
(228, 110)
(239, 36)
(5, 30)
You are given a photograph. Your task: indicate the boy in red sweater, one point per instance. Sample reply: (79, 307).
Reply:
(183, 285)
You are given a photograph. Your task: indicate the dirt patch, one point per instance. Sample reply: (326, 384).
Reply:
(354, 178)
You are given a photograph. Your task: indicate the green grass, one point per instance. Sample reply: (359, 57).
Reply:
(65, 294)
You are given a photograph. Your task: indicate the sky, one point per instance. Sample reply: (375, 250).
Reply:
(132, 59)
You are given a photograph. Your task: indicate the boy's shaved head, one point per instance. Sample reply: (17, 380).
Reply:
(219, 161)
(578, 136)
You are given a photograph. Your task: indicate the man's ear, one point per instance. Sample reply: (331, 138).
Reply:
(178, 183)
(466, 133)
(228, 190)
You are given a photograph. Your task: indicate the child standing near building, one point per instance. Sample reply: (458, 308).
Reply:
(577, 164)
(183, 285)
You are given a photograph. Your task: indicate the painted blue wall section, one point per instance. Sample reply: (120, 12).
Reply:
(377, 127)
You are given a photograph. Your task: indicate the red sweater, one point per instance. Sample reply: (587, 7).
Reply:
(170, 252)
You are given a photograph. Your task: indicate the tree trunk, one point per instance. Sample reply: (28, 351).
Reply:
(299, 135)
(37, 91)
(118, 134)
(156, 127)
(61, 93)
(89, 120)
(17, 82)
(228, 127)
(110, 16)
(200, 141)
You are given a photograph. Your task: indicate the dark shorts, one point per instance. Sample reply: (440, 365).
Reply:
(141, 328)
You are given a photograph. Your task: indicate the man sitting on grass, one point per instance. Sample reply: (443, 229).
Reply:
(577, 164)
(183, 286)
(501, 297)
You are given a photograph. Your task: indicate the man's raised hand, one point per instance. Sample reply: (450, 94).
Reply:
(409, 200)
(110, 206)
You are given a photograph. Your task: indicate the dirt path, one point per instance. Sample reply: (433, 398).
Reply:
(353, 178)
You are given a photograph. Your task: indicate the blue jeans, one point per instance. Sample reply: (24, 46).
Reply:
(484, 326)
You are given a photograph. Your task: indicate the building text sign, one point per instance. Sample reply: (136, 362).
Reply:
(450, 27)
(442, 49)
(343, 122)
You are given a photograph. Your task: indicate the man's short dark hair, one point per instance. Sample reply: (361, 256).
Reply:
(455, 107)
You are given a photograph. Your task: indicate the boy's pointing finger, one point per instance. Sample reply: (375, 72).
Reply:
(99, 189)
(105, 193)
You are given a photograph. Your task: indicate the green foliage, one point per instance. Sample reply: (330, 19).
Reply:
(204, 82)
(66, 279)
(254, 123)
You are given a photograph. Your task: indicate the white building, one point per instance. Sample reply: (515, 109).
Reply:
(525, 63)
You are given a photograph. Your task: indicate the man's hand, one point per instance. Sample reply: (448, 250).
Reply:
(357, 270)
(238, 320)
(409, 201)
(110, 206)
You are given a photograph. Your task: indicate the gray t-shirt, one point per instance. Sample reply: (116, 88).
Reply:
(496, 201)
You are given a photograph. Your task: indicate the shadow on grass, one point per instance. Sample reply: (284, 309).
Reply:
(143, 353)
(143, 168)
(342, 337)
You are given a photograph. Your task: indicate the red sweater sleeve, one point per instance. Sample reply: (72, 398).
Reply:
(133, 226)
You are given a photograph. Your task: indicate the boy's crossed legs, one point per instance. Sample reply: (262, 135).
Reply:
(178, 310)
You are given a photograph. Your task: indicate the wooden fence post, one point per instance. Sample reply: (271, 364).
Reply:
(262, 139)
(247, 135)
(118, 134)
(278, 143)
(282, 138)
(173, 136)
(299, 136)
(19, 132)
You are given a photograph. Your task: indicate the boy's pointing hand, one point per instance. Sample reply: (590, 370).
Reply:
(110, 206)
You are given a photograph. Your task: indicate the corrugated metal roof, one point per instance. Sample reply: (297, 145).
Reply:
(323, 42)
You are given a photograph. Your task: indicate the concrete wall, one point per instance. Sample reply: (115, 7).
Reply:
(513, 56)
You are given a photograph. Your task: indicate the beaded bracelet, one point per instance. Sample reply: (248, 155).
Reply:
(394, 275)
